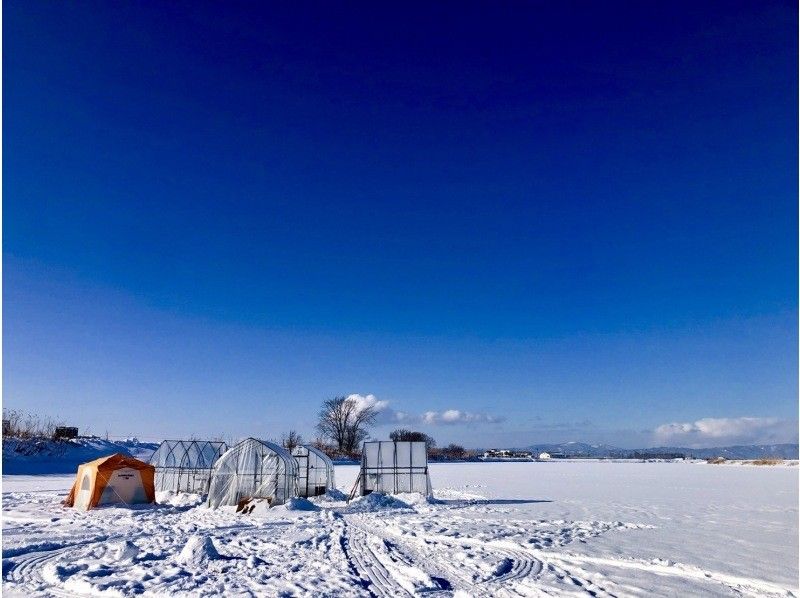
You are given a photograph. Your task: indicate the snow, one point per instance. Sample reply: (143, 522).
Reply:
(197, 553)
(530, 529)
(37, 456)
(178, 499)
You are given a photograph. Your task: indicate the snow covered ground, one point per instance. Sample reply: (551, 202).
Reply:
(504, 529)
(39, 456)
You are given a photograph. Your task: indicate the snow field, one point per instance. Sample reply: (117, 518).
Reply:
(494, 529)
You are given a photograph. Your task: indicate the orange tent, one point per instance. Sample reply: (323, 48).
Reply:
(116, 479)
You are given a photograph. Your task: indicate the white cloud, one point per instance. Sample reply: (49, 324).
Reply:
(365, 401)
(387, 415)
(725, 430)
(455, 416)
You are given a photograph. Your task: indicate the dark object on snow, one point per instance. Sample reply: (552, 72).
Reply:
(63, 432)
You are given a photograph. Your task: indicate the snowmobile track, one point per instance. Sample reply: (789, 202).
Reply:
(355, 543)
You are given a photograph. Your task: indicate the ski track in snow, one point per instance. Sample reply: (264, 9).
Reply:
(461, 544)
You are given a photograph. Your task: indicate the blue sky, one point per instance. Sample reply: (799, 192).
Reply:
(550, 223)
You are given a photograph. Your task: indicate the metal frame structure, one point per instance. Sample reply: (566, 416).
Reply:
(315, 471)
(392, 466)
(253, 469)
(185, 465)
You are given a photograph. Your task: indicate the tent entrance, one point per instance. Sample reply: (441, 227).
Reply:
(123, 486)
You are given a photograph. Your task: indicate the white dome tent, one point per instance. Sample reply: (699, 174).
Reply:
(185, 465)
(253, 468)
(315, 471)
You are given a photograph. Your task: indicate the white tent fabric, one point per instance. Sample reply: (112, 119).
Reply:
(391, 467)
(185, 465)
(253, 468)
(315, 471)
(124, 486)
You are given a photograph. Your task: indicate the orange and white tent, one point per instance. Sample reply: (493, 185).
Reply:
(116, 479)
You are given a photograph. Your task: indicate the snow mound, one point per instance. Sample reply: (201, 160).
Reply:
(457, 494)
(178, 499)
(260, 507)
(298, 504)
(414, 498)
(332, 495)
(377, 502)
(40, 455)
(125, 551)
(199, 550)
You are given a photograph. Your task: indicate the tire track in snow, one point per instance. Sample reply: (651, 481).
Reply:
(514, 574)
(521, 571)
(355, 544)
(740, 585)
(27, 571)
(433, 578)
(516, 568)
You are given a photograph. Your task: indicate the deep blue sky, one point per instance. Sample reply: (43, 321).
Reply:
(580, 217)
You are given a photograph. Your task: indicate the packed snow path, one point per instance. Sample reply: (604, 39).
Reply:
(495, 529)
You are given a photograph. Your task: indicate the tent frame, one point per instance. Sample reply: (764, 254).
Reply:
(191, 477)
(304, 470)
(396, 470)
(285, 479)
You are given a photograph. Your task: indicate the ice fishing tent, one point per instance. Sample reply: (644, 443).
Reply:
(185, 465)
(394, 466)
(314, 471)
(116, 479)
(253, 469)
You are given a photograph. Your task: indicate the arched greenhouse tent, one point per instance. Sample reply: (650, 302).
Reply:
(314, 471)
(252, 469)
(185, 465)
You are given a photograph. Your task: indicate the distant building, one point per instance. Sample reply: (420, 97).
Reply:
(65, 432)
(506, 454)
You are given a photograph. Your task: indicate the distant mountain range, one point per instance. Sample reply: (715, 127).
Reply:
(753, 451)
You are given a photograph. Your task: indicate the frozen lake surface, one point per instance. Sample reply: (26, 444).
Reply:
(496, 529)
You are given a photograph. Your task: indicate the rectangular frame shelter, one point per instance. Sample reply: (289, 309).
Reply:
(186, 465)
(390, 467)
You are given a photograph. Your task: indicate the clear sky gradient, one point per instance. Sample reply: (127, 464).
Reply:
(564, 221)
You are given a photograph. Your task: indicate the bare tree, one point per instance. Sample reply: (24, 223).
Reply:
(410, 435)
(291, 439)
(454, 451)
(345, 422)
